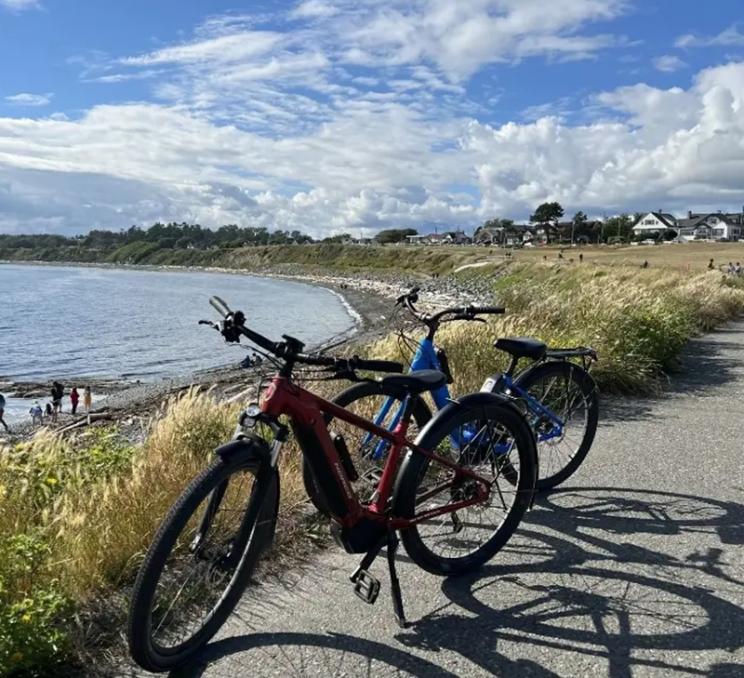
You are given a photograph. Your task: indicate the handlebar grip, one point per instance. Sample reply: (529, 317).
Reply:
(485, 310)
(378, 365)
(220, 306)
(319, 360)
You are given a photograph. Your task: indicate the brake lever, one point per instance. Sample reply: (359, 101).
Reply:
(211, 324)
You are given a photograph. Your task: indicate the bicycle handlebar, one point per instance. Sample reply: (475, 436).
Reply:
(233, 327)
(458, 312)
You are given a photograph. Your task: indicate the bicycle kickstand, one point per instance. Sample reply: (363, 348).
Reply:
(392, 548)
(367, 587)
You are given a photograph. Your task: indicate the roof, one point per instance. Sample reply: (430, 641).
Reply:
(691, 222)
(669, 220)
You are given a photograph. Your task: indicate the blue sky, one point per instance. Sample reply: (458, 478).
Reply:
(352, 115)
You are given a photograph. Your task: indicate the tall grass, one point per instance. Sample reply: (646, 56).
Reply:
(76, 518)
(638, 320)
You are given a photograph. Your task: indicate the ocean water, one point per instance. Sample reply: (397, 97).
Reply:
(64, 321)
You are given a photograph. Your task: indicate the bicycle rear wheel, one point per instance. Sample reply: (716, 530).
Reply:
(201, 561)
(500, 448)
(570, 393)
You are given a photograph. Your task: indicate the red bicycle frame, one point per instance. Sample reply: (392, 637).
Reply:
(283, 397)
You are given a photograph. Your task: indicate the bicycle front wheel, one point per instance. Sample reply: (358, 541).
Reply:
(491, 439)
(200, 562)
(570, 394)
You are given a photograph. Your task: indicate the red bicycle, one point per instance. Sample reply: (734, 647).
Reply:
(453, 508)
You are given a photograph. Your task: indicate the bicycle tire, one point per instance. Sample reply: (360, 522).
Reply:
(353, 394)
(259, 519)
(415, 465)
(586, 385)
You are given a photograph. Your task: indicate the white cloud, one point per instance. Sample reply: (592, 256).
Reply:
(668, 63)
(311, 9)
(234, 47)
(730, 37)
(280, 130)
(28, 99)
(19, 5)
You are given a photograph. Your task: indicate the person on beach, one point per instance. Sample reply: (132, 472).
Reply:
(37, 414)
(57, 392)
(2, 413)
(711, 266)
(50, 412)
(87, 399)
(74, 399)
(737, 269)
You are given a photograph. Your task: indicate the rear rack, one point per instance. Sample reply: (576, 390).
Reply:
(566, 353)
(585, 353)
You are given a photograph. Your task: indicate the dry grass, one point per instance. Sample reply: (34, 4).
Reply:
(92, 522)
(638, 320)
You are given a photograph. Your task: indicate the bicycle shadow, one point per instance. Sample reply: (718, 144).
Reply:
(579, 585)
(706, 364)
(599, 596)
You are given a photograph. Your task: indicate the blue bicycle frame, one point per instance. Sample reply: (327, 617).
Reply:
(426, 358)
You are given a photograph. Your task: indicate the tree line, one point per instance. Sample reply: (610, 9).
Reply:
(549, 216)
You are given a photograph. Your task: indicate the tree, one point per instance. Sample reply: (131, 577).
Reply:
(579, 227)
(341, 237)
(548, 215)
(618, 227)
(391, 235)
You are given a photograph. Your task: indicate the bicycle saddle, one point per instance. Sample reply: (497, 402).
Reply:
(521, 347)
(416, 382)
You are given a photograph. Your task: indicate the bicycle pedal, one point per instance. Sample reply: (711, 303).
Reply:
(366, 587)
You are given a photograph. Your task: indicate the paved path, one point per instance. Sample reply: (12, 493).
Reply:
(635, 569)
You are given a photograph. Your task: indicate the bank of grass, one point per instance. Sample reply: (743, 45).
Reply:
(637, 319)
(75, 518)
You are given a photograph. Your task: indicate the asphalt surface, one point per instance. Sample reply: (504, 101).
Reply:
(636, 568)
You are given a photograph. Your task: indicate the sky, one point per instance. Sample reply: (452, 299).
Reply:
(348, 116)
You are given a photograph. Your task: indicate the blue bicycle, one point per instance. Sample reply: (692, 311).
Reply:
(555, 392)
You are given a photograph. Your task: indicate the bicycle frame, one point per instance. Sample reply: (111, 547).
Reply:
(282, 397)
(426, 358)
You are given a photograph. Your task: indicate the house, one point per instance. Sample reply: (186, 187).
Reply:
(711, 226)
(450, 238)
(427, 239)
(655, 223)
(512, 235)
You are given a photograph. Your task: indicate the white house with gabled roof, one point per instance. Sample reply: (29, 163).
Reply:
(655, 222)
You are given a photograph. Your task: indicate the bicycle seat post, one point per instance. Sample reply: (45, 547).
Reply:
(509, 372)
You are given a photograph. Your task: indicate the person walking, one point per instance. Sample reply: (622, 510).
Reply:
(2, 413)
(50, 412)
(87, 399)
(737, 269)
(37, 414)
(57, 392)
(74, 399)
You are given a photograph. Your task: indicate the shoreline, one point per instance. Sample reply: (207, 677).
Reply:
(368, 298)
(126, 399)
